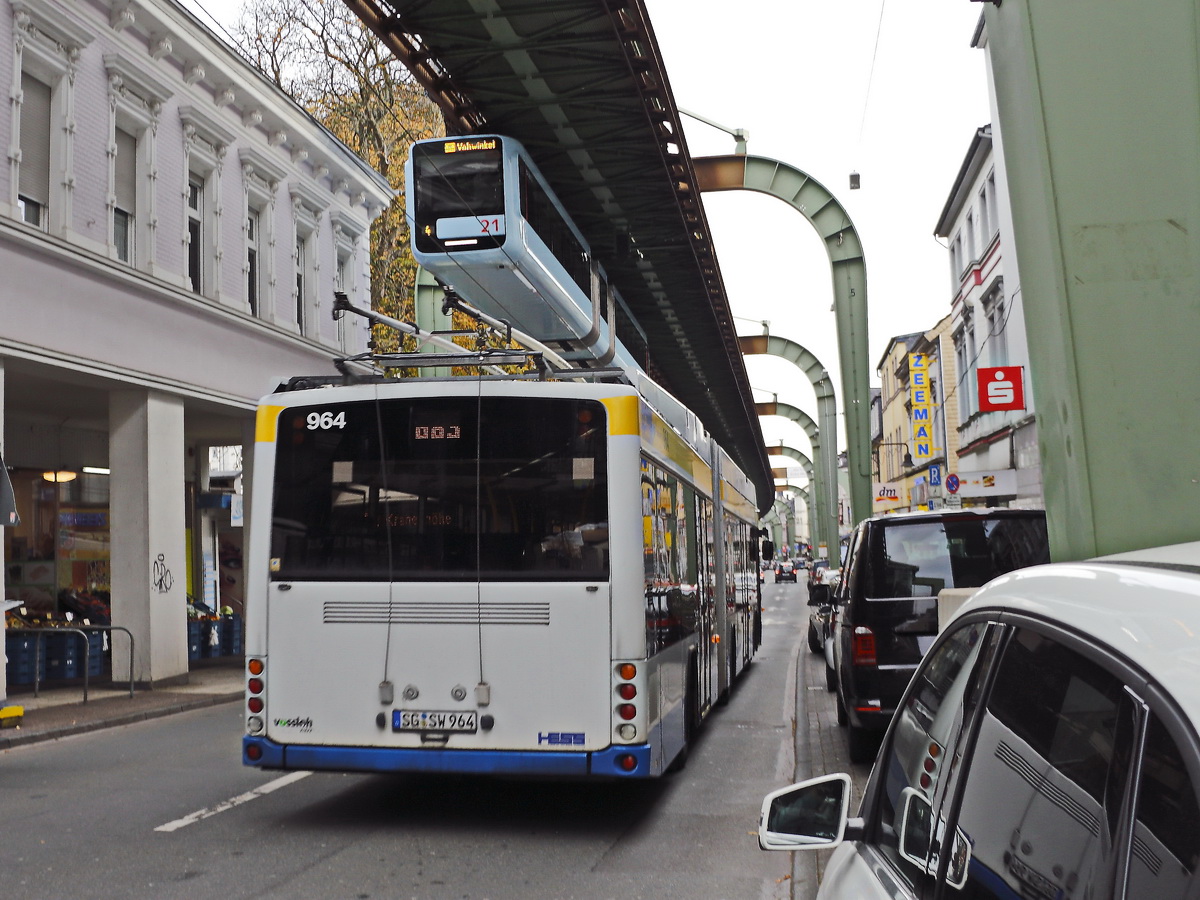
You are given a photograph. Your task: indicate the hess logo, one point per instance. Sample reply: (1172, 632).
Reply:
(561, 738)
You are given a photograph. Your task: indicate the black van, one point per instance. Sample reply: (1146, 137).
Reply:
(886, 607)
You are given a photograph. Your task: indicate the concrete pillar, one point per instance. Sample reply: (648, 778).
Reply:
(149, 554)
(3, 658)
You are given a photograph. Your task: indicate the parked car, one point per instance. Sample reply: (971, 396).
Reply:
(820, 608)
(887, 603)
(814, 572)
(1048, 746)
(785, 571)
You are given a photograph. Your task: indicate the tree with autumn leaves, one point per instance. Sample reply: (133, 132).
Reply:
(321, 55)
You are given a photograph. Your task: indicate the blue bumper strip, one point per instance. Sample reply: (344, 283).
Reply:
(267, 754)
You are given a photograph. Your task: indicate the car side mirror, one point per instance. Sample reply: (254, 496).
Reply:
(916, 839)
(811, 815)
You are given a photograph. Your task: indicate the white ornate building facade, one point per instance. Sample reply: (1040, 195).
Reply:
(172, 231)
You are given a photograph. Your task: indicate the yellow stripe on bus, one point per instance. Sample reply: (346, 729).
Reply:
(622, 414)
(265, 422)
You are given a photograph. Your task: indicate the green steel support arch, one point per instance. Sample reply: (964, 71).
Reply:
(783, 450)
(802, 493)
(848, 267)
(824, 518)
(808, 363)
(778, 530)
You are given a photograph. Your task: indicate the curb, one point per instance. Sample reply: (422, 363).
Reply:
(33, 736)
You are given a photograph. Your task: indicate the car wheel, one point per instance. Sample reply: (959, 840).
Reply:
(830, 678)
(814, 640)
(842, 718)
(863, 745)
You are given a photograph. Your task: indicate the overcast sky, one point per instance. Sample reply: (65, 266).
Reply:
(890, 89)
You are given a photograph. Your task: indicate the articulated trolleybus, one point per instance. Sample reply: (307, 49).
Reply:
(491, 574)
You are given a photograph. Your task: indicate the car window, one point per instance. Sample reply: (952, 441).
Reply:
(1047, 775)
(1166, 835)
(923, 558)
(921, 747)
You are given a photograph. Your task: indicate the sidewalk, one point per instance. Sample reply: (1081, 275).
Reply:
(60, 711)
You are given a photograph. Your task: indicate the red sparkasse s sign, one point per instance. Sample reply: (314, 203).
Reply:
(1001, 388)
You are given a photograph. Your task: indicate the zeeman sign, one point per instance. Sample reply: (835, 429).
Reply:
(921, 400)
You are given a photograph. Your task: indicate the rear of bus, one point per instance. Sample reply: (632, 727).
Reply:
(430, 582)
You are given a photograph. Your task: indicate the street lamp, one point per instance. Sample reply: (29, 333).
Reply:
(906, 462)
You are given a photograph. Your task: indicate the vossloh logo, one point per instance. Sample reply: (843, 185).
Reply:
(302, 724)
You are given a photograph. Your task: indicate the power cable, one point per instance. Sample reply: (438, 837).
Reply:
(870, 78)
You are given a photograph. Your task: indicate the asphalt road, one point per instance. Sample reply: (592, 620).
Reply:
(164, 809)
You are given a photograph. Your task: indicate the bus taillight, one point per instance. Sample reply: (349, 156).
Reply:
(626, 689)
(255, 685)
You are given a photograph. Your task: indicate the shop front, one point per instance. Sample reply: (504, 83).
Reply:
(118, 532)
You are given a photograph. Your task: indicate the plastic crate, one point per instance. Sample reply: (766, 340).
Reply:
(231, 635)
(64, 667)
(206, 646)
(66, 646)
(193, 640)
(21, 650)
(96, 650)
(22, 673)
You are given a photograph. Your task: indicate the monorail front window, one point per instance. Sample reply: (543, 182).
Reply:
(415, 489)
(459, 195)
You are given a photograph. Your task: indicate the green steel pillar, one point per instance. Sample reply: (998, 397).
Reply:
(831, 221)
(826, 409)
(823, 517)
(1098, 115)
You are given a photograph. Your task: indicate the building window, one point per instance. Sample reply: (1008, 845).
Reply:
(253, 286)
(989, 190)
(965, 356)
(33, 191)
(301, 280)
(195, 252)
(997, 338)
(956, 261)
(343, 322)
(985, 222)
(125, 191)
(972, 253)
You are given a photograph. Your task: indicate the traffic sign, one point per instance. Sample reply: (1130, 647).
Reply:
(952, 483)
(935, 476)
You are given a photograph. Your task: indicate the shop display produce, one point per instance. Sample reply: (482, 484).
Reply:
(60, 656)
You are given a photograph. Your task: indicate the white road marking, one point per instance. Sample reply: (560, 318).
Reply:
(235, 801)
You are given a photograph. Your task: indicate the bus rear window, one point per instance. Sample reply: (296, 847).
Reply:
(923, 558)
(417, 489)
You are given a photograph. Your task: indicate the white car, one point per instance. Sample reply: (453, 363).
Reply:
(1047, 747)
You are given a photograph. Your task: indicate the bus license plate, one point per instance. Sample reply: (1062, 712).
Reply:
(434, 720)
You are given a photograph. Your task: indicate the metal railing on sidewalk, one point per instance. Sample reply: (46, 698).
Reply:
(82, 631)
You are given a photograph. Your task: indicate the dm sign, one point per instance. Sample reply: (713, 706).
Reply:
(886, 497)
